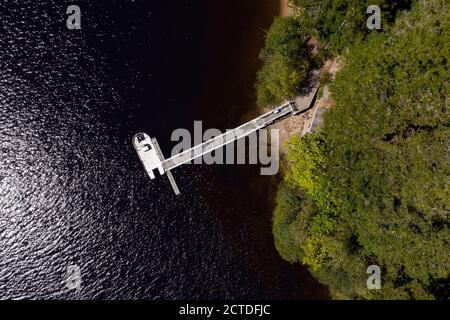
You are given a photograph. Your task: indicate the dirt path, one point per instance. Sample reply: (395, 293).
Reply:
(300, 124)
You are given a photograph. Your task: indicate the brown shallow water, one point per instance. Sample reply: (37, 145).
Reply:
(237, 40)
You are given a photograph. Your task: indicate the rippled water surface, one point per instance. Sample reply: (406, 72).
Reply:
(72, 190)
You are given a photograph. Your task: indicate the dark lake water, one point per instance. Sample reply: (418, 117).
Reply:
(72, 190)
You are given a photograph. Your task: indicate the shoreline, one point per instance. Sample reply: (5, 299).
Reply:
(301, 124)
(285, 9)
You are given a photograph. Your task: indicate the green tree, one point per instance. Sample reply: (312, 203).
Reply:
(377, 176)
(339, 23)
(286, 62)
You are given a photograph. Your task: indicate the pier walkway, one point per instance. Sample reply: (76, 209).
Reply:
(152, 158)
(246, 129)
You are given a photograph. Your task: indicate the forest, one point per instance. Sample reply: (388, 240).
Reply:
(372, 186)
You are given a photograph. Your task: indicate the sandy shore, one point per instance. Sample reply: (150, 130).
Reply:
(285, 10)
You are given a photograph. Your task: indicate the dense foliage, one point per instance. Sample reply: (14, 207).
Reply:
(286, 62)
(338, 23)
(286, 58)
(372, 186)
